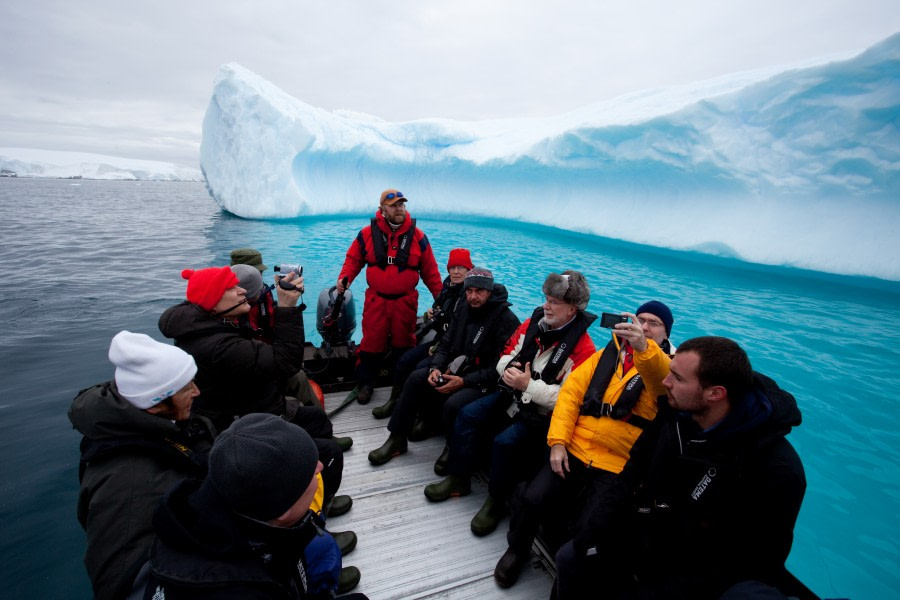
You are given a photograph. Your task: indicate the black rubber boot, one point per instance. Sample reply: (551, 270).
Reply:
(395, 445)
(490, 515)
(509, 567)
(440, 465)
(364, 393)
(454, 485)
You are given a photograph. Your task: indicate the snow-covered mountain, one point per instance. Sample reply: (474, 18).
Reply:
(30, 162)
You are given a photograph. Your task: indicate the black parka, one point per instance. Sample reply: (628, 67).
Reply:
(129, 460)
(236, 375)
(704, 510)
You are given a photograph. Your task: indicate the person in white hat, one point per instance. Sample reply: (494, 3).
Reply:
(139, 440)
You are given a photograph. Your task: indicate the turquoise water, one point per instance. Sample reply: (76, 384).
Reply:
(97, 257)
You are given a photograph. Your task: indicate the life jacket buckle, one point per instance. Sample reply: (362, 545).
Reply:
(390, 260)
(606, 409)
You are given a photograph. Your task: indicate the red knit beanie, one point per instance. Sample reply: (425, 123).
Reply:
(206, 286)
(459, 257)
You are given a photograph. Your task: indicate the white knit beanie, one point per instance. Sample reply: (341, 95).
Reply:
(147, 371)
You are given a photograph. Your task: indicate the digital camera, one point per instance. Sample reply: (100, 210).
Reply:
(283, 270)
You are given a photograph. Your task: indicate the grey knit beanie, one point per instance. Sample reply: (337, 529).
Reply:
(250, 279)
(570, 287)
(261, 465)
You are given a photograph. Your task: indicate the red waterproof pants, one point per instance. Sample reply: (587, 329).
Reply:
(385, 318)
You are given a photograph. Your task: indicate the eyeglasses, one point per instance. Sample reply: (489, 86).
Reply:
(392, 195)
(651, 322)
(458, 268)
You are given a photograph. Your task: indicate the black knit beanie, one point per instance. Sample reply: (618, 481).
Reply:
(261, 465)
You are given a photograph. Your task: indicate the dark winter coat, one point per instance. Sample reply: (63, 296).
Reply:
(495, 322)
(205, 551)
(236, 375)
(130, 459)
(710, 508)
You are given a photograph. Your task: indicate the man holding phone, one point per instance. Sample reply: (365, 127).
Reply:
(601, 410)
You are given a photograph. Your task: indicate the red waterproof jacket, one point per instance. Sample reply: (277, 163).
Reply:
(393, 279)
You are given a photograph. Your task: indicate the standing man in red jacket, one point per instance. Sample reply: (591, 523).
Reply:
(396, 252)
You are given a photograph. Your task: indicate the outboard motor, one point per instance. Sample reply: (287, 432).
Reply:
(335, 317)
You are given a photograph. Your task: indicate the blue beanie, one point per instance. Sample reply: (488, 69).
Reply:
(655, 307)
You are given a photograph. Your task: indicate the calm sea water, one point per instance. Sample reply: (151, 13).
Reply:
(84, 260)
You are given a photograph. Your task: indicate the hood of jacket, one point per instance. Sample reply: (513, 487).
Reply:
(498, 299)
(101, 412)
(385, 227)
(186, 319)
(765, 413)
(194, 519)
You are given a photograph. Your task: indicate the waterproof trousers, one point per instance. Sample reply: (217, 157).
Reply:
(548, 495)
(517, 446)
(419, 396)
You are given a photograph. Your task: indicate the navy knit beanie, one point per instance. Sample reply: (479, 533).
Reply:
(655, 307)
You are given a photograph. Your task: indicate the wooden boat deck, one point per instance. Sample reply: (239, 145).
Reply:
(409, 547)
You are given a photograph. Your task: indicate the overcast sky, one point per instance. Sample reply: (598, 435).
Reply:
(133, 79)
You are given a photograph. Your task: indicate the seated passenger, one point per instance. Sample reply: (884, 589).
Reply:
(139, 440)
(462, 369)
(245, 531)
(602, 408)
(718, 490)
(261, 317)
(238, 375)
(516, 417)
(437, 321)
(248, 256)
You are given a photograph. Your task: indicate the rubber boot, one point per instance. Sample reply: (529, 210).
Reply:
(508, 568)
(420, 431)
(454, 485)
(348, 579)
(440, 465)
(338, 505)
(343, 443)
(486, 520)
(364, 393)
(395, 445)
(387, 409)
(346, 541)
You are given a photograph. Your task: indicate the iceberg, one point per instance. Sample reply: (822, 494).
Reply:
(32, 162)
(793, 166)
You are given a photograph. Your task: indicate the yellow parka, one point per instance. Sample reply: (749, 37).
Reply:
(602, 442)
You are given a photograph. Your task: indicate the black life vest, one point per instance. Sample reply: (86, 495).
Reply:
(380, 243)
(472, 345)
(567, 341)
(622, 410)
